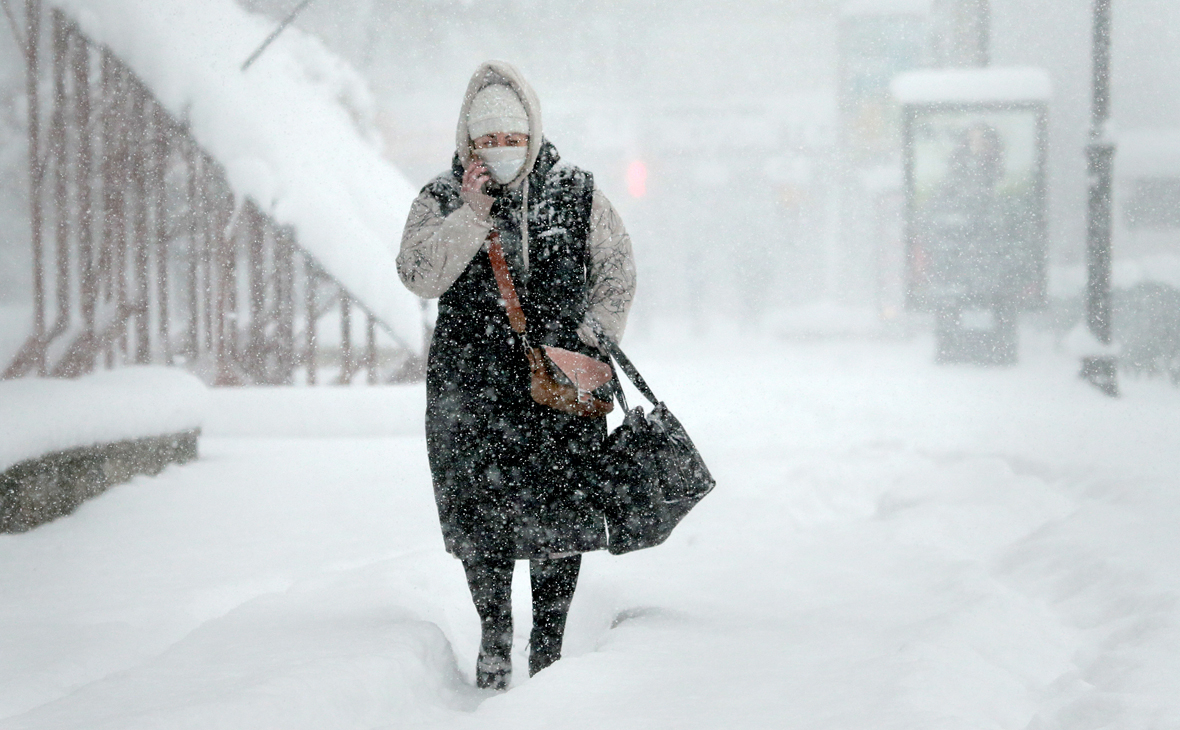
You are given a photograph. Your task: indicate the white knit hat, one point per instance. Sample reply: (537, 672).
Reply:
(496, 108)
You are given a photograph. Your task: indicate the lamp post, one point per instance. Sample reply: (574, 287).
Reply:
(1100, 369)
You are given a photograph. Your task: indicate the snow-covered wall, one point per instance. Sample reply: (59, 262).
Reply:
(293, 131)
(43, 416)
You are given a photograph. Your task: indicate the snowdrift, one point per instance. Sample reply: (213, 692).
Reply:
(43, 416)
(293, 132)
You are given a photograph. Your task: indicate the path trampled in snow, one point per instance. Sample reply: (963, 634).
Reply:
(891, 545)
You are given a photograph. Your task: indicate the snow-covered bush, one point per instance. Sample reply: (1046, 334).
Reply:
(1147, 326)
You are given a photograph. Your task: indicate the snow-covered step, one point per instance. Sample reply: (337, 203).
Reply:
(63, 441)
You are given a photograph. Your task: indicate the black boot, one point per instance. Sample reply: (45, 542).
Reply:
(493, 670)
(544, 649)
(490, 581)
(553, 582)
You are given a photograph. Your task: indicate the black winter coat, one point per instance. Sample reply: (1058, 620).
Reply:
(510, 474)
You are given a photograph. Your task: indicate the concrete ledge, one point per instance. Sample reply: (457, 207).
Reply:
(36, 491)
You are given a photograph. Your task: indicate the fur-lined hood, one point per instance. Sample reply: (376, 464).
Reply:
(501, 72)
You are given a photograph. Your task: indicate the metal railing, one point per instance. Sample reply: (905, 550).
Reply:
(141, 254)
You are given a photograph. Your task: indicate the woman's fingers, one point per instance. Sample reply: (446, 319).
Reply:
(475, 176)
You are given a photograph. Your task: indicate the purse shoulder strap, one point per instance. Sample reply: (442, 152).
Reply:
(517, 321)
(504, 283)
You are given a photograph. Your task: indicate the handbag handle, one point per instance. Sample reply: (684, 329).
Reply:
(633, 375)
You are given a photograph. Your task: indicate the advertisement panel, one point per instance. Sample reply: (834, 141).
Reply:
(976, 200)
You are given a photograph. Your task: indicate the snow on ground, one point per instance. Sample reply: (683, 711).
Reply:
(39, 416)
(891, 545)
(355, 411)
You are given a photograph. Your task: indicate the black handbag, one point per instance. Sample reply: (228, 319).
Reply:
(649, 474)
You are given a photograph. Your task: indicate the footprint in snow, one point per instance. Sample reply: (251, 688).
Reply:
(630, 614)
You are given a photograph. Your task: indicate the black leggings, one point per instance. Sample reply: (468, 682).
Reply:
(553, 581)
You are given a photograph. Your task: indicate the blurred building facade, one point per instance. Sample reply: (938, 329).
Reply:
(712, 127)
(767, 175)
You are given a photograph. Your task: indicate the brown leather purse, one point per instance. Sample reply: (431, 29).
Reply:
(560, 379)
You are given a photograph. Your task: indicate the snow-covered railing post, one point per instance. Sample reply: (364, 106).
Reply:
(32, 355)
(160, 255)
(57, 143)
(311, 354)
(113, 175)
(88, 289)
(370, 349)
(347, 366)
(139, 230)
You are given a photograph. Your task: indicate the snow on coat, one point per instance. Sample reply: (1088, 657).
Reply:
(510, 475)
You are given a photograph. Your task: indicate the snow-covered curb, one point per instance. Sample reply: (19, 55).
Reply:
(294, 131)
(40, 417)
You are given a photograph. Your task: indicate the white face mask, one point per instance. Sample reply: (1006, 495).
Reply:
(503, 162)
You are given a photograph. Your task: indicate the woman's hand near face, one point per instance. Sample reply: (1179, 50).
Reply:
(475, 177)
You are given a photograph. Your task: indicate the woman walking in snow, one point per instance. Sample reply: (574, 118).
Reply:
(510, 475)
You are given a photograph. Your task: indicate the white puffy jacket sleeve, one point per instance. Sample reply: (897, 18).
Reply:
(612, 273)
(436, 250)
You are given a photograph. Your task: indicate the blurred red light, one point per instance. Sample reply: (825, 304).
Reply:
(637, 179)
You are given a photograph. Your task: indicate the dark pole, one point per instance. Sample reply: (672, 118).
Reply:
(275, 34)
(1100, 370)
